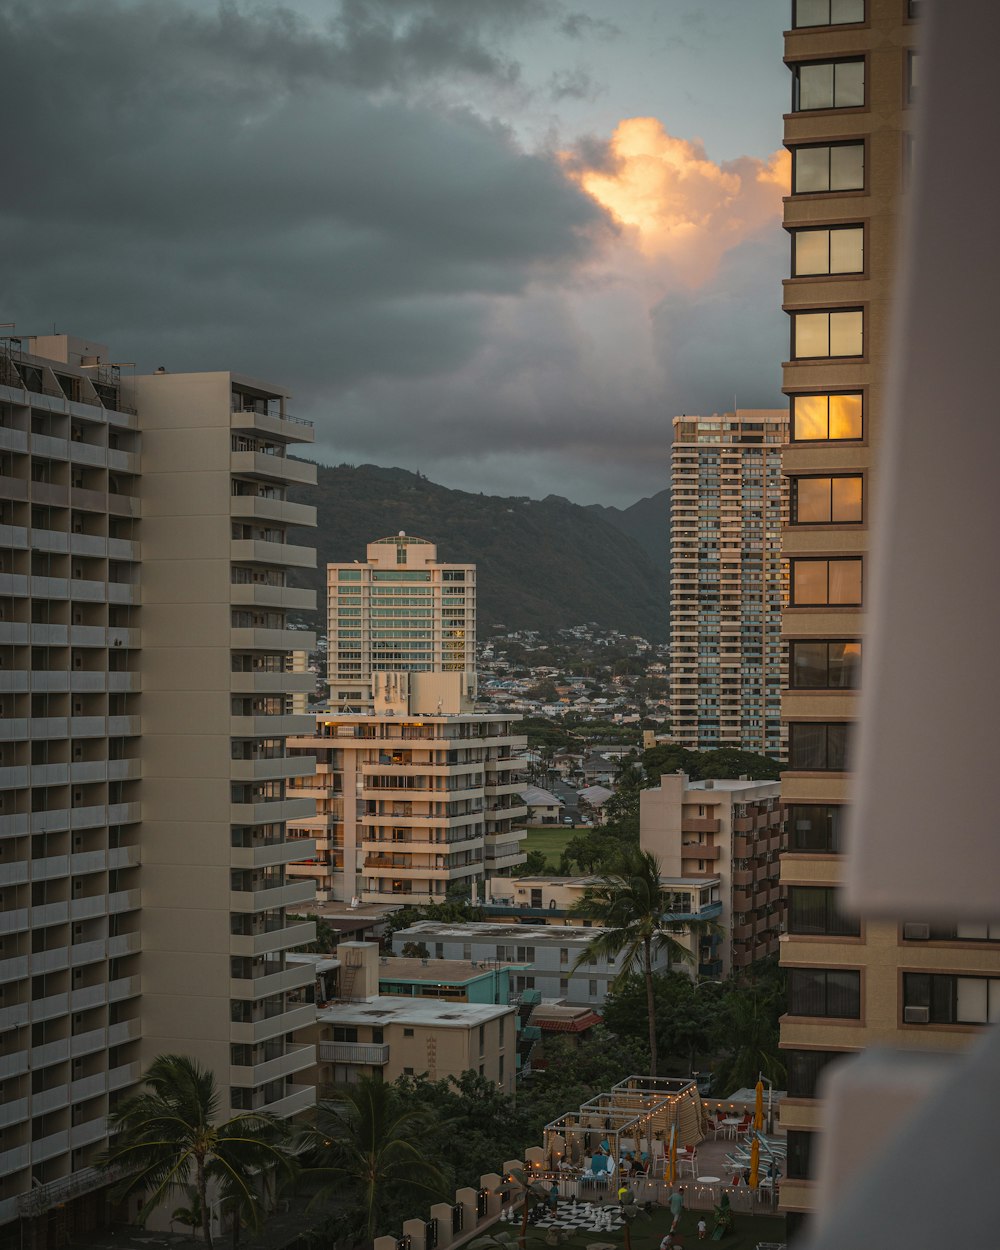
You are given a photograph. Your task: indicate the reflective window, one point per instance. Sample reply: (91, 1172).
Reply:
(822, 664)
(818, 746)
(828, 167)
(804, 1068)
(813, 910)
(815, 828)
(826, 500)
(836, 249)
(832, 992)
(827, 12)
(826, 417)
(828, 85)
(826, 583)
(827, 333)
(953, 1000)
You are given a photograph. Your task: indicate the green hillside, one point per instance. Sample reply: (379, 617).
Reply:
(542, 564)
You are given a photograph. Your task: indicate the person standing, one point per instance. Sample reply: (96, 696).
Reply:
(676, 1207)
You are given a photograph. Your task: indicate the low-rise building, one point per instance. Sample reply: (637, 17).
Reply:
(549, 951)
(731, 832)
(544, 808)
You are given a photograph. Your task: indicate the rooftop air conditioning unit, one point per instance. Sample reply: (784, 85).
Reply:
(916, 1015)
(916, 932)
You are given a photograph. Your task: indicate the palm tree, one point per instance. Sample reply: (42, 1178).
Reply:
(632, 907)
(519, 1181)
(368, 1143)
(167, 1138)
(748, 1029)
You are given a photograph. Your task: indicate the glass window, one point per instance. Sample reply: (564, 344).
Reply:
(349, 575)
(827, 12)
(825, 664)
(834, 992)
(818, 746)
(953, 1000)
(803, 1068)
(815, 828)
(799, 1145)
(827, 333)
(833, 249)
(826, 500)
(826, 417)
(828, 167)
(813, 910)
(912, 76)
(825, 583)
(828, 85)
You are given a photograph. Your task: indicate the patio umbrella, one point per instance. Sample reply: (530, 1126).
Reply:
(758, 1106)
(673, 1154)
(755, 1162)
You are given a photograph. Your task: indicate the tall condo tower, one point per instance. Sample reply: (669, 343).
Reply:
(728, 503)
(400, 611)
(144, 606)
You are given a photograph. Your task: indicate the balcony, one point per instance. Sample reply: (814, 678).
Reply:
(251, 638)
(291, 978)
(264, 1029)
(268, 854)
(699, 850)
(259, 551)
(297, 1098)
(264, 467)
(295, 1059)
(292, 894)
(373, 1053)
(289, 428)
(262, 726)
(264, 943)
(263, 508)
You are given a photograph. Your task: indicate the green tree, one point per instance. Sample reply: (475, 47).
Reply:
(536, 864)
(370, 1147)
(167, 1137)
(631, 905)
(749, 1033)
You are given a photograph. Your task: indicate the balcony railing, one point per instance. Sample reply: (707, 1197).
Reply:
(354, 1052)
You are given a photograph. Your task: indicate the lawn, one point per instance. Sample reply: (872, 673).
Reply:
(551, 839)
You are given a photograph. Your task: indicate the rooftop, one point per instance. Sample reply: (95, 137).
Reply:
(521, 933)
(424, 1011)
(438, 971)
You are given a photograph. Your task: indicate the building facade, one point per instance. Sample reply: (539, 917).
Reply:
(729, 832)
(405, 803)
(401, 610)
(854, 69)
(727, 586)
(142, 762)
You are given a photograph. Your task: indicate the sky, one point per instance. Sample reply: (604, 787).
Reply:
(501, 242)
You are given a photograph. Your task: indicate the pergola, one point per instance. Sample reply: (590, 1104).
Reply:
(636, 1115)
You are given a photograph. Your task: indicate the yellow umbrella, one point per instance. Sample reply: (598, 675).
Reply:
(754, 1163)
(758, 1106)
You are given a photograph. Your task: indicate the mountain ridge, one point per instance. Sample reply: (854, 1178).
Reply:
(542, 563)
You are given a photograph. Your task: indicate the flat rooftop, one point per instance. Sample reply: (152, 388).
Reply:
(437, 971)
(484, 931)
(431, 1012)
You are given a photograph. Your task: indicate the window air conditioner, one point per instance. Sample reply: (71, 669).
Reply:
(916, 932)
(916, 1015)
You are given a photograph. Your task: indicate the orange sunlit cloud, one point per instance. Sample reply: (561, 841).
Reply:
(674, 203)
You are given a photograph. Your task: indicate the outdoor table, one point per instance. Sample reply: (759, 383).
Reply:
(731, 1124)
(709, 1180)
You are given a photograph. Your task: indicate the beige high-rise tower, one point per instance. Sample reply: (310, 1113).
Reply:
(727, 506)
(144, 608)
(854, 70)
(400, 611)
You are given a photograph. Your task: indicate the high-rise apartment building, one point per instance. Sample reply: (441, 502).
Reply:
(854, 68)
(399, 611)
(143, 774)
(728, 503)
(406, 799)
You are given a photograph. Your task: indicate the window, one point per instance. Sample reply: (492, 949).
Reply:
(828, 332)
(828, 85)
(343, 1034)
(953, 1000)
(799, 1154)
(826, 417)
(803, 1068)
(913, 8)
(826, 500)
(833, 992)
(407, 1032)
(964, 932)
(825, 665)
(827, 12)
(912, 76)
(349, 575)
(818, 746)
(828, 167)
(592, 989)
(834, 249)
(813, 910)
(825, 583)
(525, 954)
(563, 956)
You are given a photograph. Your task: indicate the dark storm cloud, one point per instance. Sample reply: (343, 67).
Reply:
(208, 189)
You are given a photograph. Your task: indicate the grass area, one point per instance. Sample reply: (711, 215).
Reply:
(551, 839)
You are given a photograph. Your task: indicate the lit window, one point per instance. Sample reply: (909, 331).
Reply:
(825, 583)
(836, 249)
(822, 664)
(815, 829)
(827, 333)
(828, 167)
(826, 417)
(826, 500)
(827, 12)
(828, 85)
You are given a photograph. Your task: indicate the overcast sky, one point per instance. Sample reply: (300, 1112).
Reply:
(499, 241)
